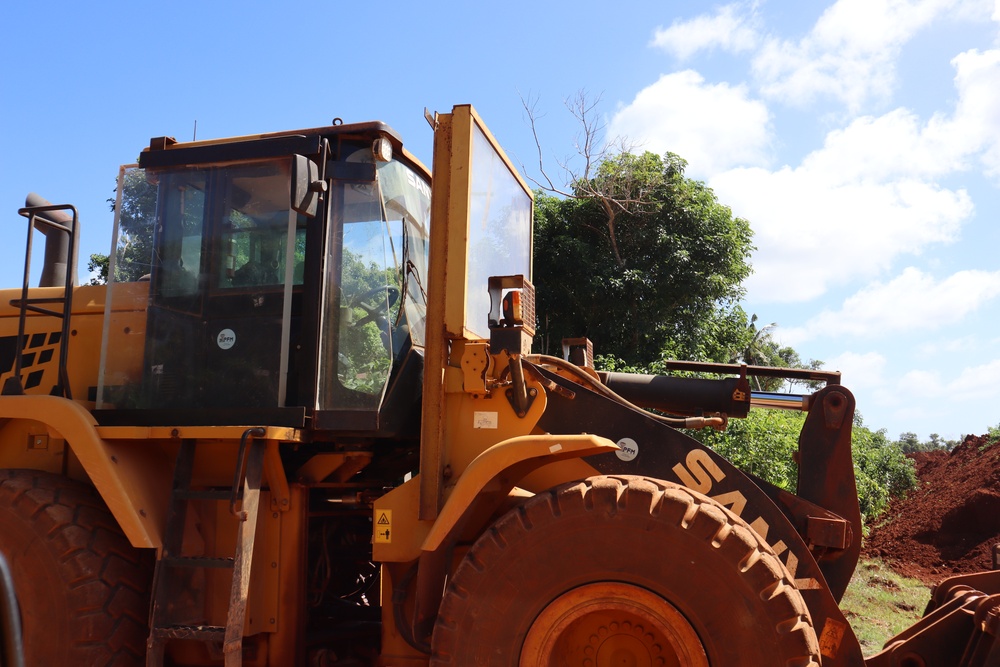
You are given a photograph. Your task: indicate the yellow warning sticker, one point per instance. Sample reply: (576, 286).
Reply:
(383, 526)
(832, 635)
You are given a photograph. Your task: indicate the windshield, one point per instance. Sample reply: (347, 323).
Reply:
(406, 197)
(499, 230)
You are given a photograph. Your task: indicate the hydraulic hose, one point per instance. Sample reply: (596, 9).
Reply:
(589, 381)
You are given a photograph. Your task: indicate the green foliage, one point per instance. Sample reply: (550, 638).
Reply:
(882, 469)
(911, 444)
(135, 228)
(765, 443)
(363, 360)
(757, 347)
(135, 232)
(364, 355)
(97, 265)
(642, 261)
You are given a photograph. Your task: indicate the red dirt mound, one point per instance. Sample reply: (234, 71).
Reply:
(950, 523)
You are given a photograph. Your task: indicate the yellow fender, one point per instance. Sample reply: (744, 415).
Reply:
(516, 457)
(123, 476)
(489, 477)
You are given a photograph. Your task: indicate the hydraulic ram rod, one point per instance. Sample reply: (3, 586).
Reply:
(767, 399)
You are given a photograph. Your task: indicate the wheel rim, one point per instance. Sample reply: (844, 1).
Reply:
(611, 624)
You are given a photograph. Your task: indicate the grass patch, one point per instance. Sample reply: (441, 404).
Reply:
(879, 604)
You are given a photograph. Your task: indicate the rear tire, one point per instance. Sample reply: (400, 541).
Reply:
(622, 570)
(82, 588)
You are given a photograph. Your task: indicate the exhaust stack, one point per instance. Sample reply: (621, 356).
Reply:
(56, 244)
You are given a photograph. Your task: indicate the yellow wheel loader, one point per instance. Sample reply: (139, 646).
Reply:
(302, 424)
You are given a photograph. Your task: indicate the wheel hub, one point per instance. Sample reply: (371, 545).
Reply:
(611, 624)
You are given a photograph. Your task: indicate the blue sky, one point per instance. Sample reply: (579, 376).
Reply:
(860, 138)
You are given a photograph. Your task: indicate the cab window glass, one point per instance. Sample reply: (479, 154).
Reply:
(253, 232)
(181, 221)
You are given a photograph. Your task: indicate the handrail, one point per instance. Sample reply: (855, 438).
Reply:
(36, 220)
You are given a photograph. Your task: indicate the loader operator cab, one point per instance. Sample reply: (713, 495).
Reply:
(286, 283)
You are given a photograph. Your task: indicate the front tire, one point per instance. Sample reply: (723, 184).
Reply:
(82, 588)
(622, 570)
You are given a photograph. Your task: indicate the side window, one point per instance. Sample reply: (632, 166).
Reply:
(406, 200)
(370, 295)
(253, 252)
(252, 234)
(179, 260)
(362, 294)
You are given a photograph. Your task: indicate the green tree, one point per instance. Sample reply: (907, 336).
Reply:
(882, 469)
(643, 261)
(135, 232)
(369, 309)
(763, 444)
(760, 348)
(98, 266)
(909, 443)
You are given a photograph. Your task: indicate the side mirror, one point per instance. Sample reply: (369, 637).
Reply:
(11, 651)
(306, 185)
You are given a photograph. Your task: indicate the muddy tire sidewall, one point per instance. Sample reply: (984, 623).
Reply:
(82, 588)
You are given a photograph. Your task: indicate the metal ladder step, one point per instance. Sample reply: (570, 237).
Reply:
(198, 561)
(200, 632)
(246, 487)
(203, 494)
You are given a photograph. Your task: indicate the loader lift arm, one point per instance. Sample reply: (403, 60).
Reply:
(824, 510)
(792, 527)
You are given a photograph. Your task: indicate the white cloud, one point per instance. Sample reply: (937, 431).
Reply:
(950, 346)
(869, 194)
(860, 370)
(967, 392)
(872, 192)
(731, 28)
(890, 146)
(851, 51)
(920, 382)
(819, 225)
(712, 126)
(976, 124)
(975, 382)
(920, 399)
(911, 301)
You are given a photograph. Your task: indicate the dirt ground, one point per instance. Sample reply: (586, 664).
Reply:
(951, 522)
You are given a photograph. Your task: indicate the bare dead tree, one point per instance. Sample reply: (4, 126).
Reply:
(615, 190)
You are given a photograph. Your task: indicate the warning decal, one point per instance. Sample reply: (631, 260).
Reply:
(832, 635)
(383, 526)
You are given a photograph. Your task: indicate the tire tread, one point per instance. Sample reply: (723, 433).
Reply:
(107, 579)
(661, 502)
